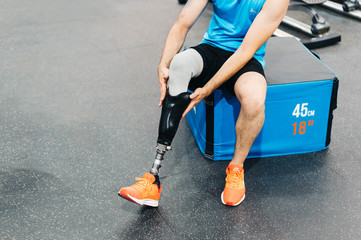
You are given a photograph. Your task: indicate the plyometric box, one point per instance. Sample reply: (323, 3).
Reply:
(301, 97)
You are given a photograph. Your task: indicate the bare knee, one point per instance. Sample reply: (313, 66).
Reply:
(251, 89)
(253, 106)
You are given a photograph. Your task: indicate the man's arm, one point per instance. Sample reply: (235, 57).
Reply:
(261, 29)
(175, 40)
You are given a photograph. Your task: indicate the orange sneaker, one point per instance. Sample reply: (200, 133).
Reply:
(144, 192)
(234, 192)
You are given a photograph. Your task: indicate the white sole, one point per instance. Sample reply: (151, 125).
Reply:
(146, 202)
(234, 204)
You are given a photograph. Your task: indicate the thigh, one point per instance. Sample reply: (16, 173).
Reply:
(253, 66)
(213, 59)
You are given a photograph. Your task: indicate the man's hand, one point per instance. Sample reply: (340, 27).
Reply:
(163, 74)
(198, 95)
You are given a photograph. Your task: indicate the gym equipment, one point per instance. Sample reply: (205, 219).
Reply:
(301, 97)
(351, 5)
(317, 32)
(350, 8)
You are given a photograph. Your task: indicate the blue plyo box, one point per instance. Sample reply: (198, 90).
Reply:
(301, 97)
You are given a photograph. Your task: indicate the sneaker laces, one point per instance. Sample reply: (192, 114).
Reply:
(234, 179)
(143, 184)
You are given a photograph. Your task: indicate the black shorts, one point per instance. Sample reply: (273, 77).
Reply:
(213, 59)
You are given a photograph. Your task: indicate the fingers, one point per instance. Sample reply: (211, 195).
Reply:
(190, 106)
(163, 74)
(163, 91)
(194, 94)
(196, 98)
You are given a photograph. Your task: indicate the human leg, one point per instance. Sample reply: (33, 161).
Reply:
(250, 89)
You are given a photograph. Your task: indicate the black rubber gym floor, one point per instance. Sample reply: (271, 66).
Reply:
(79, 118)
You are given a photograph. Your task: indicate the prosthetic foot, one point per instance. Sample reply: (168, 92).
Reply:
(144, 192)
(147, 190)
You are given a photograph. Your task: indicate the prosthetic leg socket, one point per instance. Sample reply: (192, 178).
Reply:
(172, 110)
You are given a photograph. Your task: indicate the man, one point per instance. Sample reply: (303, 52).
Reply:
(230, 56)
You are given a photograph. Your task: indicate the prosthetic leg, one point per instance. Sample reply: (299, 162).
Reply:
(183, 67)
(172, 110)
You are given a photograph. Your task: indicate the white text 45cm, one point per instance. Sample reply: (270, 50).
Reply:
(301, 109)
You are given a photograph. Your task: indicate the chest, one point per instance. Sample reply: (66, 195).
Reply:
(237, 8)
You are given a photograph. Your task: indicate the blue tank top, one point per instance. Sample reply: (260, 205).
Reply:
(230, 22)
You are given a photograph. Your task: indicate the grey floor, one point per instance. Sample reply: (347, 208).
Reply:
(79, 116)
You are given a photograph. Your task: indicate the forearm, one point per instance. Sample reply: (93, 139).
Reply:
(178, 32)
(173, 44)
(228, 69)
